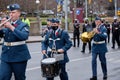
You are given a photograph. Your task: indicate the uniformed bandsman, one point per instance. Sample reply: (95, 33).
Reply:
(115, 33)
(62, 46)
(87, 27)
(15, 53)
(107, 25)
(76, 33)
(99, 48)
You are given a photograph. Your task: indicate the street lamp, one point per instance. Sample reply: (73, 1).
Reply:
(37, 1)
(38, 17)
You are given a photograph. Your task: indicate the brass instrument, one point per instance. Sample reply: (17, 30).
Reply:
(86, 36)
(5, 22)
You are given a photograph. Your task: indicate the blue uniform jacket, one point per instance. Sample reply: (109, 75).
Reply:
(100, 48)
(64, 43)
(15, 53)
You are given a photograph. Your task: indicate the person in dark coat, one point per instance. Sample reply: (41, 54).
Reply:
(61, 45)
(115, 33)
(15, 53)
(107, 25)
(86, 28)
(99, 48)
(76, 33)
(48, 28)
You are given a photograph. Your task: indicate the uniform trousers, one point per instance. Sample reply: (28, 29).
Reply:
(84, 46)
(108, 39)
(7, 68)
(76, 36)
(63, 74)
(115, 37)
(102, 59)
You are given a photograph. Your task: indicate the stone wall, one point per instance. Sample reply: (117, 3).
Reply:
(34, 29)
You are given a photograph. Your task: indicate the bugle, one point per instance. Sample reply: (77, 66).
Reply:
(5, 22)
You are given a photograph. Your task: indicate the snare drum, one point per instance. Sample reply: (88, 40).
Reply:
(50, 67)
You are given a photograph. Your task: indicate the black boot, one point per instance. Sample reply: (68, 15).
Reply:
(93, 78)
(83, 51)
(105, 77)
(113, 46)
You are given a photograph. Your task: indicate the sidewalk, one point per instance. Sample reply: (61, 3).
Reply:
(33, 39)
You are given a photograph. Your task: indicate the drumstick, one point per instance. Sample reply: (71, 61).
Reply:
(46, 55)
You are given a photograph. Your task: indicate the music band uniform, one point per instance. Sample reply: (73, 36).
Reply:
(107, 25)
(76, 33)
(99, 48)
(86, 28)
(115, 34)
(15, 53)
(64, 43)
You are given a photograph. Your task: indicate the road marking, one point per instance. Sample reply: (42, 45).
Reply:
(74, 60)
(30, 69)
(80, 59)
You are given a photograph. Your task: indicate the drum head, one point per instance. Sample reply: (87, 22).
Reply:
(49, 60)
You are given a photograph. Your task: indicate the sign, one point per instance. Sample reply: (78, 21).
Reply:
(79, 17)
(48, 12)
(59, 2)
(59, 8)
(59, 14)
(77, 12)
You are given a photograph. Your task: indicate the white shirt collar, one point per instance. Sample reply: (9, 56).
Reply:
(14, 21)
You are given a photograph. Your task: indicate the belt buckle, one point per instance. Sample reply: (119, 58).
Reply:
(97, 42)
(9, 44)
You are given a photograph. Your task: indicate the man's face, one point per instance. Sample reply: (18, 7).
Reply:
(15, 14)
(48, 23)
(54, 24)
(97, 22)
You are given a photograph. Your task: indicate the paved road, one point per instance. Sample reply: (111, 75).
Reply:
(79, 67)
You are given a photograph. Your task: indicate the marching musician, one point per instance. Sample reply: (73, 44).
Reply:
(86, 28)
(76, 33)
(15, 53)
(48, 28)
(99, 48)
(107, 25)
(62, 46)
(115, 33)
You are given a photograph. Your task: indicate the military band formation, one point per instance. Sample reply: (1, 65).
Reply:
(15, 53)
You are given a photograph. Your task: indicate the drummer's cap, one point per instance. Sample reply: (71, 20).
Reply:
(98, 18)
(55, 20)
(12, 7)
